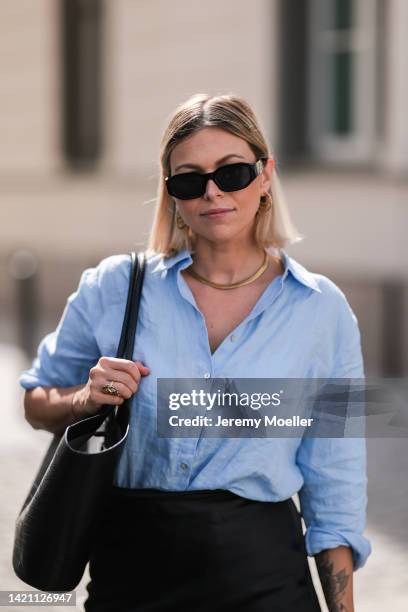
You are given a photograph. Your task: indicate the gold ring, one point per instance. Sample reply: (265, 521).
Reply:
(110, 389)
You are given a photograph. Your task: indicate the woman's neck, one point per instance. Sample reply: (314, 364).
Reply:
(226, 262)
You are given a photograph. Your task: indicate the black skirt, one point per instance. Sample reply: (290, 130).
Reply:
(199, 551)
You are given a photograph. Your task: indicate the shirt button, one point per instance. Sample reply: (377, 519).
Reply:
(233, 338)
(184, 466)
(207, 375)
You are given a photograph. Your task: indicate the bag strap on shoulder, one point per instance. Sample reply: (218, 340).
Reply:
(127, 338)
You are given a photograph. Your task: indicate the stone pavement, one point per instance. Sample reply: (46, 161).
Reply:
(382, 584)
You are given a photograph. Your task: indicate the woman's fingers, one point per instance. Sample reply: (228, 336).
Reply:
(119, 377)
(122, 373)
(135, 369)
(144, 370)
(104, 398)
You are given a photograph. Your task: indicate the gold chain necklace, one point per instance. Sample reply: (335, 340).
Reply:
(246, 281)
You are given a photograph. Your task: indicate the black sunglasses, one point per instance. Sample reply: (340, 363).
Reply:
(232, 177)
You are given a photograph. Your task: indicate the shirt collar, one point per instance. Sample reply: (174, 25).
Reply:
(290, 265)
(299, 272)
(166, 263)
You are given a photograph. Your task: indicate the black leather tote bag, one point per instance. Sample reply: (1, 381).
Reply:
(57, 523)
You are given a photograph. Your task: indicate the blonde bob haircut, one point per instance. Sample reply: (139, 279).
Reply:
(274, 227)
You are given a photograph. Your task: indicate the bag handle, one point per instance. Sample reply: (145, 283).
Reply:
(118, 417)
(127, 337)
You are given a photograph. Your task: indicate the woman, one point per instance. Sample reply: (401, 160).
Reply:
(200, 523)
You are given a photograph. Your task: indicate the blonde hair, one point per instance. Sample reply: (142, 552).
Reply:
(233, 114)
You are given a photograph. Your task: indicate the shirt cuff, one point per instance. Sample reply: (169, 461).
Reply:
(28, 381)
(318, 539)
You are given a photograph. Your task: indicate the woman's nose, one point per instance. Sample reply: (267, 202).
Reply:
(211, 189)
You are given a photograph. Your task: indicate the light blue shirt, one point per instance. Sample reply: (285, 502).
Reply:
(301, 327)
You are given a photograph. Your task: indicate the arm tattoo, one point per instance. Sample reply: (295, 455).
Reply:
(333, 584)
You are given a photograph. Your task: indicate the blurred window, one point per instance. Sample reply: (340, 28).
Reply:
(342, 80)
(81, 74)
(341, 61)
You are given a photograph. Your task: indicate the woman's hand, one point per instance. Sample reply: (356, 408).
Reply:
(123, 373)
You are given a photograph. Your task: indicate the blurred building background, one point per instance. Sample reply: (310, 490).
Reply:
(86, 88)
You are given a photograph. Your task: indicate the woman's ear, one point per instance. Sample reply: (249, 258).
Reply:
(266, 176)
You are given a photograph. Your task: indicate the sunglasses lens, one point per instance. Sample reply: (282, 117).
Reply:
(192, 185)
(186, 186)
(234, 177)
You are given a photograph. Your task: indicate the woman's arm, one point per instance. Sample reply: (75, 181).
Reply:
(54, 408)
(333, 497)
(51, 408)
(335, 567)
(56, 381)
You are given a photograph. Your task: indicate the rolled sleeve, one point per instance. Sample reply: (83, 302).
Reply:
(334, 493)
(65, 356)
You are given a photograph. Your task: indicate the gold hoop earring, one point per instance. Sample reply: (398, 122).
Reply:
(266, 202)
(179, 221)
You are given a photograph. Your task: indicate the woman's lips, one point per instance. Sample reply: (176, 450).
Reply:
(217, 212)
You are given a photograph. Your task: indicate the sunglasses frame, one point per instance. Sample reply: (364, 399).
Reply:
(255, 170)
